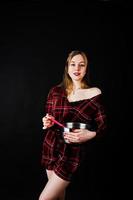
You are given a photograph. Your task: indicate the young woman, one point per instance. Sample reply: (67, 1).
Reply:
(71, 101)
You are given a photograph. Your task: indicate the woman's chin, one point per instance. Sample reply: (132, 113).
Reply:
(76, 79)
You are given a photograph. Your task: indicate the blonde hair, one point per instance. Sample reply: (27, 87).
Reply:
(67, 81)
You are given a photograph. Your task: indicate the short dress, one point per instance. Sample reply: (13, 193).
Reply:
(64, 158)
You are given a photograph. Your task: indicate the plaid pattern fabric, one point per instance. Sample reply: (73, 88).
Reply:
(56, 155)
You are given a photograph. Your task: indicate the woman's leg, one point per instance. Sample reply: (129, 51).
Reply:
(62, 194)
(49, 173)
(55, 188)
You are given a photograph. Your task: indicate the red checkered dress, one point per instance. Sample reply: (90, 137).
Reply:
(64, 158)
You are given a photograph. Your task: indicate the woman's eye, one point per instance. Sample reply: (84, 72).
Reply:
(82, 65)
(72, 64)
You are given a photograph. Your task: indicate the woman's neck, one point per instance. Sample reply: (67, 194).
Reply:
(76, 86)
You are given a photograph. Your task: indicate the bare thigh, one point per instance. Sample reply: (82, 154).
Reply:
(49, 173)
(62, 194)
(54, 187)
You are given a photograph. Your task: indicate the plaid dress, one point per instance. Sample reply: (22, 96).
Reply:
(57, 155)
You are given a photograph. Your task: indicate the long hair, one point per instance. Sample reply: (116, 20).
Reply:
(67, 81)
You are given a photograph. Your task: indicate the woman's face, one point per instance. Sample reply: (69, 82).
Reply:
(77, 68)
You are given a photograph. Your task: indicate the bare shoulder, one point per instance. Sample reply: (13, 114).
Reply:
(92, 92)
(95, 91)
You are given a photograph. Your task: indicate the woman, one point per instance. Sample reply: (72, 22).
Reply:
(71, 101)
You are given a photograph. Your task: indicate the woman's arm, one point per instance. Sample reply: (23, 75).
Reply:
(47, 123)
(83, 135)
(79, 136)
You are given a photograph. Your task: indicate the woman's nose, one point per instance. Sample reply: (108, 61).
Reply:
(77, 67)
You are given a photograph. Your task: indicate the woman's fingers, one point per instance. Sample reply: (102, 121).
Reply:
(75, 136)
(71, 137)
(47, 122)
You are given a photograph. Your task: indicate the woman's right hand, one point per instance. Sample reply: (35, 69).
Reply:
(47, 122)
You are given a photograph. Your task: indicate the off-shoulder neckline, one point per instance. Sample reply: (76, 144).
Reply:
(85, 99)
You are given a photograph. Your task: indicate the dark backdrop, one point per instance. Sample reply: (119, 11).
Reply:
(34, 43)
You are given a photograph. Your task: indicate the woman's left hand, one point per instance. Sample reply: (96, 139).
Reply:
(79, 135)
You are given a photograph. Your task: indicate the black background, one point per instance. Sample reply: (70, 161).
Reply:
(35, 40)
